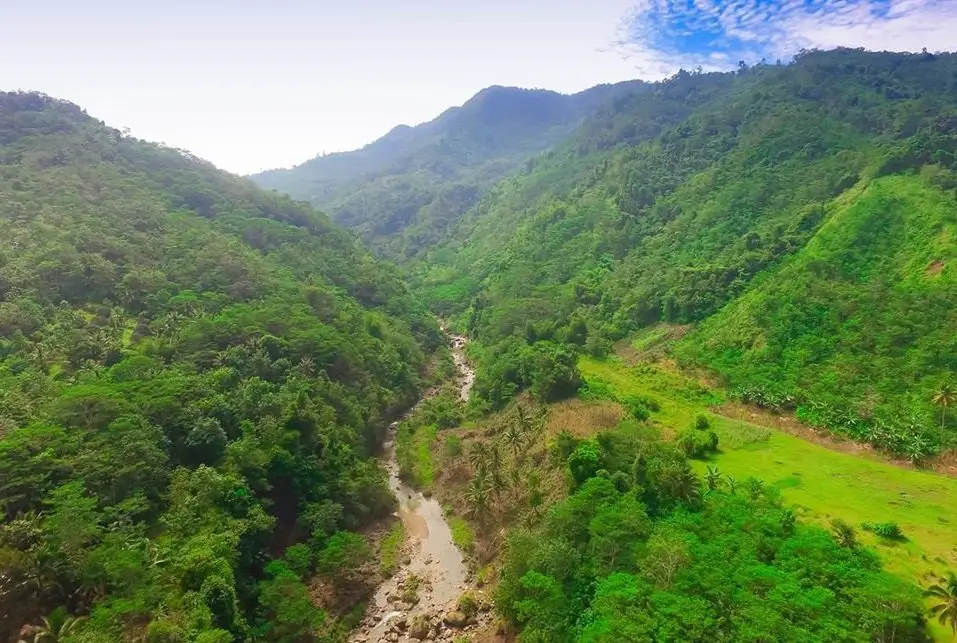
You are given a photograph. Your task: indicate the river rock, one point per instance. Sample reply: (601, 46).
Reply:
(455, 618)
(419, 628)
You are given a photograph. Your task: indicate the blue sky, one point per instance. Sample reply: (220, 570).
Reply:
(251, 85)
(716, 34)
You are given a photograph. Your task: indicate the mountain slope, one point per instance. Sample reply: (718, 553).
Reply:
(401, 192)
(657, 213)
(193, 374)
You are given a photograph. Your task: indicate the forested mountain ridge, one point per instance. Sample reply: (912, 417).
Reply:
(812, 204)
(193, 375)
(401, 192)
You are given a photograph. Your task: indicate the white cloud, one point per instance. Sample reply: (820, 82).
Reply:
(661, 36)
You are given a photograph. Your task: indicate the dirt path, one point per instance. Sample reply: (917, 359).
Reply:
(433, 574)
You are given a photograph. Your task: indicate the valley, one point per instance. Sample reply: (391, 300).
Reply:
(653, 361)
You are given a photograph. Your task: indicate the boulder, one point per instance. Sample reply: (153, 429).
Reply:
(419, 628)
(455, 618)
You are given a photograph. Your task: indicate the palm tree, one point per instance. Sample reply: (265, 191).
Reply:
(944, 397)
(495, 458)
(478, 456)
(56, 627)
(946, 594)
(524, 425)
(713, 478)
(478, 497)
(515, 438)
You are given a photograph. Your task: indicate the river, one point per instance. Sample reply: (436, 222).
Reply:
(430, 553)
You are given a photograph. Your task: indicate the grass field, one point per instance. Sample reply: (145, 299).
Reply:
(819, 482)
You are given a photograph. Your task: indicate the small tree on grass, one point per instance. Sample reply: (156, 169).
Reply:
(844, 534)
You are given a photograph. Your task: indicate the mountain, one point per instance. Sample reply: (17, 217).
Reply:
(798, 219)
(193, 375)
(403, 191)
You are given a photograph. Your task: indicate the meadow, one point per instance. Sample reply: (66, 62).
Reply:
(819, 482)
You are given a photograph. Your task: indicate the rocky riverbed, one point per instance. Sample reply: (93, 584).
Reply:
(423, 600)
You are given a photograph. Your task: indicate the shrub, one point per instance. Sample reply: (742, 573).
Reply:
(453, 446)
(585, 461)
(888, 530)
(344, 551)
(702, 423)
(468, 605)
(697, 444)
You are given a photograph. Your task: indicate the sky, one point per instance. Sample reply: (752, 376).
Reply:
(251, 85)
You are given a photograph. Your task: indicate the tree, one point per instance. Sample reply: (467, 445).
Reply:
(478, 497)
(713, 478)
(514, 437)
(944, 397)
(56, 627)
(844, 534)
(945, 595)
(478, 456)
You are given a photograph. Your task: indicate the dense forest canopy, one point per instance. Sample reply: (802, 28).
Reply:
(402, 192)
(193, 374)
(802, 215)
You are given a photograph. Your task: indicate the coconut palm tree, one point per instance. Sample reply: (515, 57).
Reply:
(944, 397)
(478, 456)
(56, 627)
(945, 593)
(479, 497)
(514, 438)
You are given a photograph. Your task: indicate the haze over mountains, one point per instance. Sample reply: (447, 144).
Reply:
(402, 192)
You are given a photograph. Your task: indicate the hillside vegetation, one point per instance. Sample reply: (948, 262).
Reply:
(402, 192)
(193, 374)
(802, 216)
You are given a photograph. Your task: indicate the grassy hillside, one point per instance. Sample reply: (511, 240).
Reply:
(193, 373)
(820, 191)
(402, 192)
(860, 321)
(804, 474)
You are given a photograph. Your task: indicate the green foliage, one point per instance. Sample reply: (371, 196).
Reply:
(800, 215)
(462, 533)
(287, 613)
(585, 461)
(346, 551)
(944, 595)
(391, 548)
(888, 530)
(191, 370)
(615, 565)
(697, 444)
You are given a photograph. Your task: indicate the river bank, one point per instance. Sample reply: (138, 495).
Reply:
(419, 601)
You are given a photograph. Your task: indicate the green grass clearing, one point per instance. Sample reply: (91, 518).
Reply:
(462, 533)
(820, 483)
